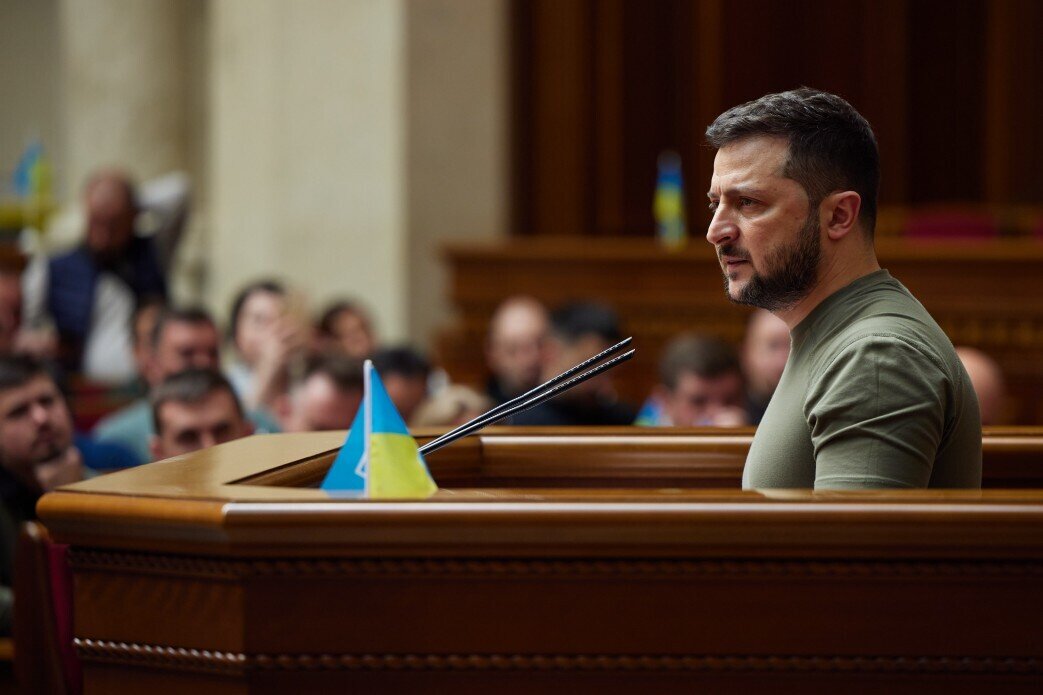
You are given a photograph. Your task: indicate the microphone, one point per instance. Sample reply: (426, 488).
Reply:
(532, 398)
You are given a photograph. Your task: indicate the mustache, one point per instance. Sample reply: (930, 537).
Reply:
(732, 251)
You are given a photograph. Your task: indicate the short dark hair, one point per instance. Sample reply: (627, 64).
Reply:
(345, 372)
(190, 386)
(335, 309)
(18, 370)
(195, 315)
(831, 146)
(403, 361)
(702, 355)
(574, 321)
(267, 285)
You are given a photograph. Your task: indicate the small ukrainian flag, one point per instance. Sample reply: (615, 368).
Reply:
(379, 459)
(668, 206)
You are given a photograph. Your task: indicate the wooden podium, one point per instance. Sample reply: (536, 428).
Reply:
(227, 571)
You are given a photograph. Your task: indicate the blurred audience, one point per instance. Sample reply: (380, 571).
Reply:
(764, 354)
(579, 331)
(988, 382)
(512, 351)
(268, 337)
(181, 338)
(454, 405)
(346, 327)
(143, 325)
(404, 372)
(88, 294)
(326, 397)
(194, 409)
(36, 455)
(701, 385)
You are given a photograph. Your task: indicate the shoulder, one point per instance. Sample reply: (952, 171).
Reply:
(134, 418)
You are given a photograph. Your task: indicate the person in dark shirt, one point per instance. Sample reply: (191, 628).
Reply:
(36, 454)
(578, 331)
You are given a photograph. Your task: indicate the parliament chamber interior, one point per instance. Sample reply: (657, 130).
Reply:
(298, 302)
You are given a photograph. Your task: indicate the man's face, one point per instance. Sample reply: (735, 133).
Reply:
(513, 352)
(110, 219)
(318, 405)
(188, 427)
(183, 345)
(35, 425)
(767, 240)
(698, 401)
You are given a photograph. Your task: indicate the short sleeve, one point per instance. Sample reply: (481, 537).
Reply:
(876, 413)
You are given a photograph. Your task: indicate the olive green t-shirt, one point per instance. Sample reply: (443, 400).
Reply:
(873, 396)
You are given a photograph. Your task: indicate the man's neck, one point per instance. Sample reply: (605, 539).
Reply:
(834, 276)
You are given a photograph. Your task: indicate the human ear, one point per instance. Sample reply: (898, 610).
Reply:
(840, 213)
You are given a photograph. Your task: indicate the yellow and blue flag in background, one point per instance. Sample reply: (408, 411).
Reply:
(379, 459)
(668, 206)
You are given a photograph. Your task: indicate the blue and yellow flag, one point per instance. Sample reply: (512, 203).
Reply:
(668, 206)
(379, 459)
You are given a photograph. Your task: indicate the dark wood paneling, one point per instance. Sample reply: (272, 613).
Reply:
(603, 86)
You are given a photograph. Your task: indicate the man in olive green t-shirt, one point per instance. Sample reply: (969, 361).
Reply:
(873, 394)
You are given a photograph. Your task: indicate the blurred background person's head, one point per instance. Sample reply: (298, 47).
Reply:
(143, 326)
(578, 331)
(346, 326)
(765, 350)
(195, 409)
(111, 206)
(512, 350)
(701, 383)
(326, 397)
(182, 339)
(988, 382)
(404, 372)
(255, 312)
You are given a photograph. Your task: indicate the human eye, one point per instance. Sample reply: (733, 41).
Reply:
(712, 206)
(745, 202)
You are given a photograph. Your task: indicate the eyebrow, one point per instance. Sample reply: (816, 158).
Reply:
(740, 191)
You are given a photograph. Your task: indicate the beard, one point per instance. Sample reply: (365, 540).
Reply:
(790, 272)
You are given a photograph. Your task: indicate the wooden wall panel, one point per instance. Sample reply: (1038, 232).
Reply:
(602, 87)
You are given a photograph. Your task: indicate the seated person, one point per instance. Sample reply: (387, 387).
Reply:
(577, 332)
(193, 410)
(88, 294)
(181, 338)
(267, 337)
(404, 372)
(346, 327)
(700, 384)
(512, 350)
(326, 397)
(36, 455)
(989, 385)
(764, 353)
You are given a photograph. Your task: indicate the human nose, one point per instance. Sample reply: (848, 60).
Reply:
(721, 228)
(40, 413)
